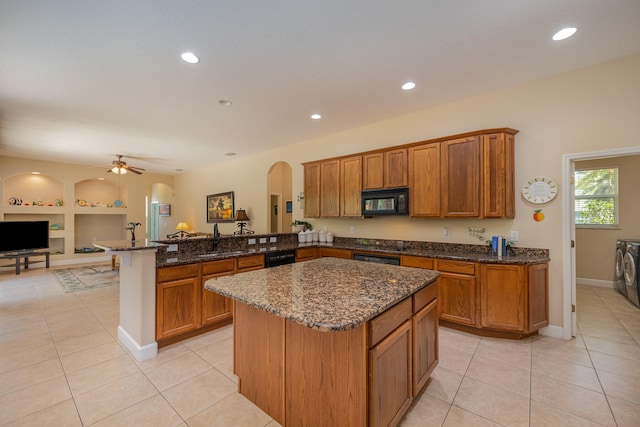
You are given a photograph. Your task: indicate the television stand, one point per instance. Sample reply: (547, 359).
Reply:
(26, 255)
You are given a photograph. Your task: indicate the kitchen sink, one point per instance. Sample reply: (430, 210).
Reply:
(222, 254)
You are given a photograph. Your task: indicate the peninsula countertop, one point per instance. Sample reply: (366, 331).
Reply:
(327, 294)
(128, 245)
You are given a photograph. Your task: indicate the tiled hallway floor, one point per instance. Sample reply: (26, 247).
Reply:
(60, 365)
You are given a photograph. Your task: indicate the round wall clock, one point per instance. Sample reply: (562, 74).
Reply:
(539, 190)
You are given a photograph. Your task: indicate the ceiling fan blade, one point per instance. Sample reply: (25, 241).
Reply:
(132, 169)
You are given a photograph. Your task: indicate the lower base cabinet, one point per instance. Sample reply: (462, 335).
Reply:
(367, 376)
(184, 307)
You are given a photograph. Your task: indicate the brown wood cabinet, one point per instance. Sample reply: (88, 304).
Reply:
(351, 187)
(215, 307)
(177, 297)
(469, 175)
(504, 300)
(424, 325)
(335, 252)
(424, 181)
(184, 307)
(460, 177)
(306, 254)
(385, 169)
(249, 263)
(457, 291)
(312, 190)
(498, 176)
(514, 297)
(330, 188)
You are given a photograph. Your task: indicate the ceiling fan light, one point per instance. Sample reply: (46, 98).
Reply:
(118, 170)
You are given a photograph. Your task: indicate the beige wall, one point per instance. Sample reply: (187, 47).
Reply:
(595, 108)
(74, 181)
(595, 248)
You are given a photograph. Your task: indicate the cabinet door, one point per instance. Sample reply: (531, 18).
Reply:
(330, 188)
(424, 180)
(498, 191)
(390, 377)
(336, 253)
(425, 344)
(312, 190)
(503, 297)
(372, 171)
(351, 187)
(457, 298)
(538, 296)
(305, 254)
(395, 168)
(460, 169)
(177, 307)
(215, 307)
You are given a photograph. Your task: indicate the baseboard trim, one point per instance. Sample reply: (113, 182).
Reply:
(596, 282)
(141, 353)
(552, 331)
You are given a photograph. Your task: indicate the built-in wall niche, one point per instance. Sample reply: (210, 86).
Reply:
(100, 193)
(28, 189)
(56, 221)
(93, 228)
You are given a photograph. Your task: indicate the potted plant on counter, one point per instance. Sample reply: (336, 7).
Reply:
(299, 226)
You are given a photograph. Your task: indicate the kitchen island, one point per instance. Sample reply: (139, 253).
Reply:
(333, 341)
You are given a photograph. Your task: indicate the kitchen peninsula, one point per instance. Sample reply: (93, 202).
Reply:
(333, 341)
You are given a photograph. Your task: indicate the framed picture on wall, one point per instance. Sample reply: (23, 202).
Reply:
(289, 206)
(220, 207)
(164, 209)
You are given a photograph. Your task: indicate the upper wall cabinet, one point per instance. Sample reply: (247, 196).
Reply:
(463, 176)
(333, 188)
(386, 169)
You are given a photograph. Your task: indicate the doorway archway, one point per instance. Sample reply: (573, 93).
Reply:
(279, 197)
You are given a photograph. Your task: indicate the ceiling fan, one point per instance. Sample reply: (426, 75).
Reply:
(121, 167)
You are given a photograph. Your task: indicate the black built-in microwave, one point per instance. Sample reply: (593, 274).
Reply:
(393, 201)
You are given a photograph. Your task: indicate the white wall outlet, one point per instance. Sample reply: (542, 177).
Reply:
(252, 241)
(352, 230)
(273, 239)
(172, 248)
(514, 236)
(445, 232)
(172, 260)
(263, 240)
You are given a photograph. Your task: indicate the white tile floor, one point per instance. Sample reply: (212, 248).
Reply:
(60, 365)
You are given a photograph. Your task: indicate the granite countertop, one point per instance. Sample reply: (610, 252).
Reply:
(127, 245)
(523, 257)
(327, 294)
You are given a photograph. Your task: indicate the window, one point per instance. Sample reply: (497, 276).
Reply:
(596, 197)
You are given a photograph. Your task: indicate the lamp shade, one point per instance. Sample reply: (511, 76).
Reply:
(182, 226)
(241, 215)
(118, 170)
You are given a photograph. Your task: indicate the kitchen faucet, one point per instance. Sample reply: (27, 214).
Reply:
(216, 237)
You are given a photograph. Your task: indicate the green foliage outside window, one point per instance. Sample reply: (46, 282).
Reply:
(596, 196)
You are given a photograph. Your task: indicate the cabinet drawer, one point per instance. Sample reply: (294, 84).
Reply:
(177, 272)
(424, 296)
(251, 262)
(416, 261)
(303, 254)
(336, 253)
(385, 323)
(218, 267)
(460, 267)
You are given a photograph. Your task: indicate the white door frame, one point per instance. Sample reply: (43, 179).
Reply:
(568, 231)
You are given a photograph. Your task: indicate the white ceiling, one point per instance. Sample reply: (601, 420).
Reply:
(83, 80)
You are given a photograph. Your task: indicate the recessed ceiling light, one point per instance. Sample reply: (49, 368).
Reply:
(408, 86)
(36, 173)
(189, 57)
(179, 170)
(564, 33)
(316, 116)
(225, 103)
(230, 154)
(100, 179)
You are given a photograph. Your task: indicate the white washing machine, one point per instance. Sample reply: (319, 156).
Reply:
(618, 274)
(631, 272)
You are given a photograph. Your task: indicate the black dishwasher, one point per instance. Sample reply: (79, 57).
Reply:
(276, 258)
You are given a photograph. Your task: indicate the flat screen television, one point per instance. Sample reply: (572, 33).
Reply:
(23, 236)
